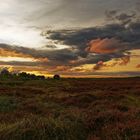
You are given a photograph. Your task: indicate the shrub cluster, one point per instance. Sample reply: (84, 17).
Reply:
(5, 74)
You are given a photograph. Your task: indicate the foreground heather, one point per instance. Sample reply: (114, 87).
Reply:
(70, 109)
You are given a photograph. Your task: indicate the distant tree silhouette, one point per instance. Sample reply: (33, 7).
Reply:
(40, 77)
(5, 71)
(23, 75)
(5, 75)
(56, 76)
(27, 76)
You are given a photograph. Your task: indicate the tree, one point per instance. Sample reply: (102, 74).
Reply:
(28, 76)
(57, 77)
(5, 74)
(5, 71)
(23, 75)
(41, 77)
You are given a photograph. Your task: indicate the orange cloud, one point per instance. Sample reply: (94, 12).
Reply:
(60, 68)
(42, 59)
(120, 61)
(105, 46)
(4, 52)
(11, 53)
(99, 65)
(138, 66)
(124, 60)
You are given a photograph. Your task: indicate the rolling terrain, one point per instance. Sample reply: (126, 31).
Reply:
(70, 109)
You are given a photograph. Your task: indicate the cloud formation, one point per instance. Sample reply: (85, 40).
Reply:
(95, 45)
(103, 43)
(68, 50)
(106, 46)
(119, 61)
(52, 57)
(122, 18)
(138, 66)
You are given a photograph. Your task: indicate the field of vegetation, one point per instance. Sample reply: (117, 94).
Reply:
(70, 109)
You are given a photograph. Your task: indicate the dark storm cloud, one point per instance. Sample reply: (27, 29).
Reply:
(80, 38)
(54, 56)
(125, 18)
(123, 38)
(86, 45)
(122, 18)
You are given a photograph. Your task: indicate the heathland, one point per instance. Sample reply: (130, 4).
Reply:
(70, 109)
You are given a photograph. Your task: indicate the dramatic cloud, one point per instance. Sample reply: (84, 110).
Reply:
(7, 53)
(103, 43)
(119, 61)
(86, 46)
(56, 57)
(106, 46)
(65, 36)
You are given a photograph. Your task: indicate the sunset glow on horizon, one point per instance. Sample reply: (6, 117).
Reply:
(76, 38)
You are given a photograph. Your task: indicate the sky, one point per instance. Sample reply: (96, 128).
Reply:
(73, 38)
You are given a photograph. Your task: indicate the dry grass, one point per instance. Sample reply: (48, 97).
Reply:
(70, 109)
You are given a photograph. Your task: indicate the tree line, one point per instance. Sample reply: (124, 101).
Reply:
(6, 74)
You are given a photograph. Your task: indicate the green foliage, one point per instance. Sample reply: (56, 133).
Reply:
(35, 128)
(7, 104)
(132, 100)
